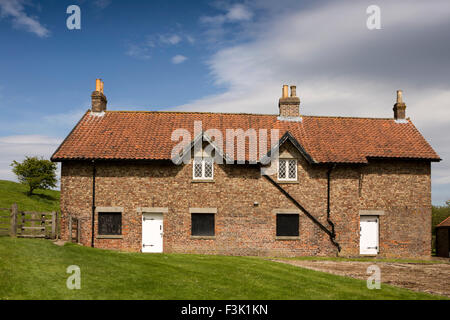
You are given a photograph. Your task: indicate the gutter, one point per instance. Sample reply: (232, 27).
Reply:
(331, 233)
(94, 173)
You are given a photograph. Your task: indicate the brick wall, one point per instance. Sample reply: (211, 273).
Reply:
(400, 188)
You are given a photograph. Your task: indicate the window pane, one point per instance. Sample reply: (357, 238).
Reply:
(292, 169)
(287, 225)
(202, 224)
(208, 168)
(109, 223)
(282, 169)
(197, 168)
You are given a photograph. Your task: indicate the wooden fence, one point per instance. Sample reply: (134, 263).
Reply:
(28, 224)
(74, 229)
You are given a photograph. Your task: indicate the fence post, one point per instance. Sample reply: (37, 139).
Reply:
(13, 226)
(53, 225)
(70, 228)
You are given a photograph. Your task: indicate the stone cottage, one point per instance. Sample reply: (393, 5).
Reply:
(167, 182)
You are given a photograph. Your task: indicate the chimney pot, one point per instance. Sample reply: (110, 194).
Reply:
(399, 96)
(99, 100)
(399, 107)
(289, 106)
(285, 91)
(98, 85)
(293, 91)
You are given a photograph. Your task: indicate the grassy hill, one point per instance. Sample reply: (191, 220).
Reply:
(36, 269)
(41, 200)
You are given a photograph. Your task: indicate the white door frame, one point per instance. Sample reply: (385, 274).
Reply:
(152, 234)
(373, 236)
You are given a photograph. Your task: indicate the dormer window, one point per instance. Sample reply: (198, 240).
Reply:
(203, 169)
(287, 170)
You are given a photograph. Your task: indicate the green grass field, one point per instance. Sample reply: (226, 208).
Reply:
(41, 200)
(13, 192)
(36, 269)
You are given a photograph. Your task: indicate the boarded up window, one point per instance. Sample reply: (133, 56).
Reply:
(202, 224)
(109, 223)
(287, 225)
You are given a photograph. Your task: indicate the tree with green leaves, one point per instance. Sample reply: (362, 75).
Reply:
(35, 172)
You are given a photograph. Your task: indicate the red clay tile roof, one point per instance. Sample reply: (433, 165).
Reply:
(147, 135)
(445, 223)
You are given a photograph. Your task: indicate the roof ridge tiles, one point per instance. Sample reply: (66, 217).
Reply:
(243, 113)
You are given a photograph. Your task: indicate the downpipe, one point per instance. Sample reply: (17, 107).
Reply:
(94, 173)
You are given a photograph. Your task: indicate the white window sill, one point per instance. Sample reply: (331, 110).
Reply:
(110, 237)
(288, 181)
(203, 237)
(287, 238)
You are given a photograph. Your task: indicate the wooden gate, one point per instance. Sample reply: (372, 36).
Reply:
(36, 224)
(29, 224)
(74, 229)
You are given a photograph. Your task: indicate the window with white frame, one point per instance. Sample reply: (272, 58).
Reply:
(287, 169)
(203, 169)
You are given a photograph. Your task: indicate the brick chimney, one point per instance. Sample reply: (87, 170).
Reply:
(98, 98)
(289, 106)
(399, 107)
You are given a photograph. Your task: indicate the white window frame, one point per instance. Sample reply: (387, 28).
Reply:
(203, 161)
(287, 170)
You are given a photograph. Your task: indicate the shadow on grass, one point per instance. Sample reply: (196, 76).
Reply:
(40, 196)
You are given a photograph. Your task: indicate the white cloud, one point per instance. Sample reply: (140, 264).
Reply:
(239, 12)
(170, 39)
(339, 66)
(142, 50)
(178, 59)
(102, 4)
(19, 146)
(15, 9)
(190, 39)
(234, 13)
(28, 140)
(67, 119)
(138, 52)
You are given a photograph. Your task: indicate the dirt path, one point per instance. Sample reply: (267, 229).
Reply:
(425, 277)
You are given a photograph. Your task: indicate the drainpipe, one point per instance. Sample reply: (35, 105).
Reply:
(93, 201)
(333, 233)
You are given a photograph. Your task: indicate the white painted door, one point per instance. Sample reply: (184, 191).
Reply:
(152, 232)
(368, 241)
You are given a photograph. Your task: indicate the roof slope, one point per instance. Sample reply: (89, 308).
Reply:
(445, 223)
(147, 135)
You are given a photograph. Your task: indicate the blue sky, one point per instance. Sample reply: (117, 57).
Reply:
(221, 56)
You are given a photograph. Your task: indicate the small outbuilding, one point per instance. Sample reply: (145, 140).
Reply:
(443, 238)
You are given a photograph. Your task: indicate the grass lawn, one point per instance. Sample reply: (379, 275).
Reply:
(36, 269)
(41, 200)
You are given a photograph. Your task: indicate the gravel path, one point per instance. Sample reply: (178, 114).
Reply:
(425, 277)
